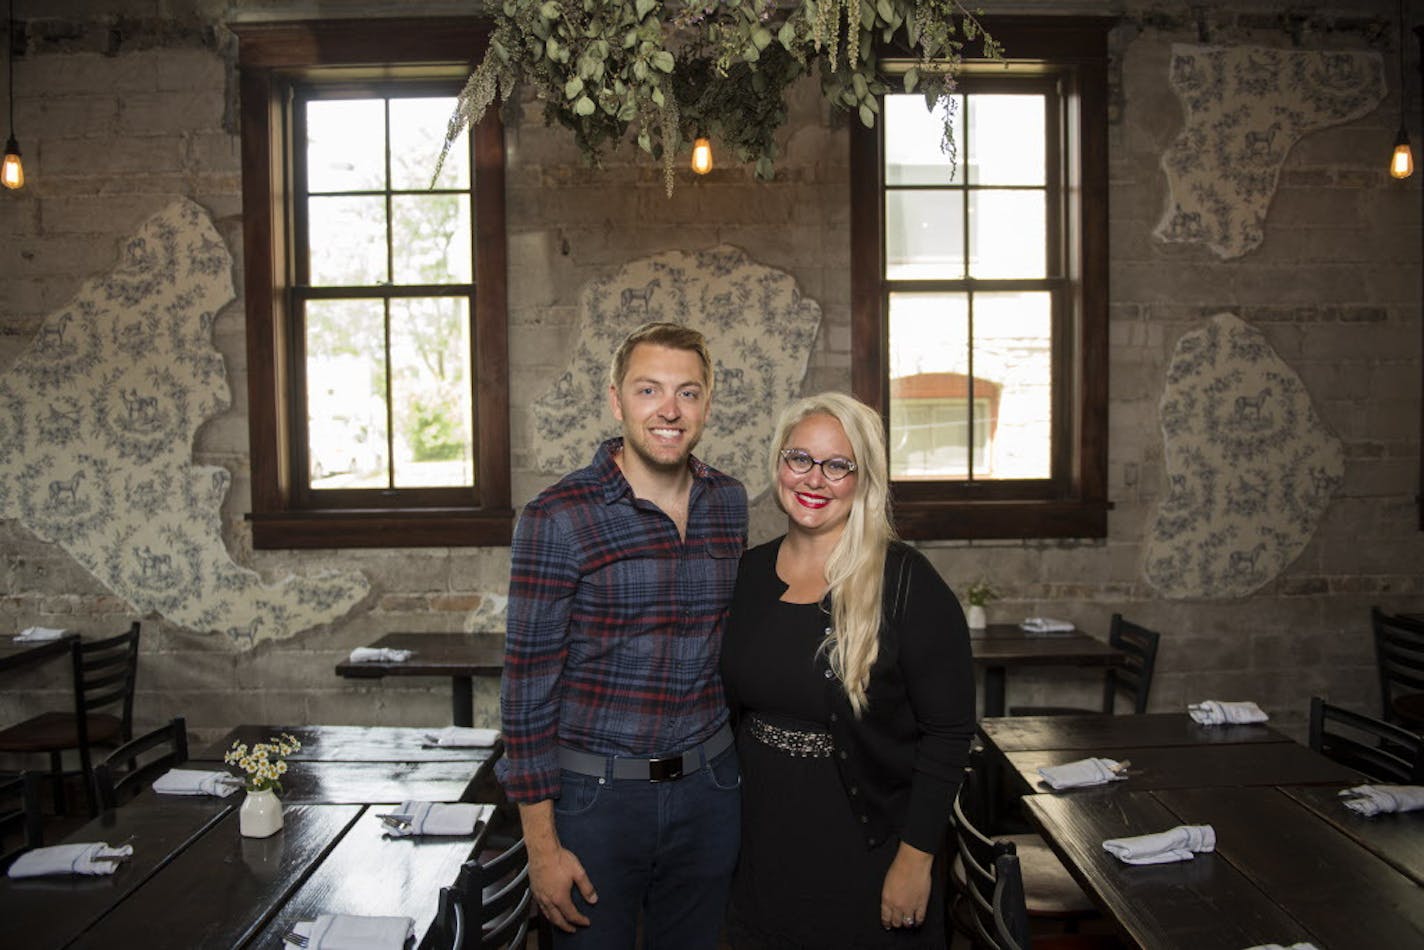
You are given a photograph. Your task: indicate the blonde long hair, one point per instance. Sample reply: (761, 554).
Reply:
(855, 570)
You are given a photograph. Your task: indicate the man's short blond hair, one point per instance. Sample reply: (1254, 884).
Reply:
(674, 336)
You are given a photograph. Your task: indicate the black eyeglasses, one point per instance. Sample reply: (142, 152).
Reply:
(801, 462)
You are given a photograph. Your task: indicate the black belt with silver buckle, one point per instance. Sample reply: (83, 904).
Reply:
(653, 769)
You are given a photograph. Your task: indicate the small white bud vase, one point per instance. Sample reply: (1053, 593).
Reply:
(975, 617)
(260, 815)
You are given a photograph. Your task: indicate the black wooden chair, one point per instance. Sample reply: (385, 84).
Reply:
(1399, 654)
(1010, 912)
(104, 674)
(132, 767)
(1132, 678)
(448, 933)
(1381, 750)
(21, 824)
(1051, 893)
(494, 904)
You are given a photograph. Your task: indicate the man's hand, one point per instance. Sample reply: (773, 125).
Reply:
(554, 871)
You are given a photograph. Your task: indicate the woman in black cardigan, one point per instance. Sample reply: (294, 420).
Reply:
(847, 666)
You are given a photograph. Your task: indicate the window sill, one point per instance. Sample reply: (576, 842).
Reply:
(437, 527)
(925, 521)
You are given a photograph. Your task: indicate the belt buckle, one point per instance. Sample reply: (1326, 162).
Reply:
(665, 770)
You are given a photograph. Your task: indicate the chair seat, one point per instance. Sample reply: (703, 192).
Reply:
(1049, 890)
(56, 731)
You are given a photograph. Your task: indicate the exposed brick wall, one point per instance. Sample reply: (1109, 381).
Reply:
(118, 113)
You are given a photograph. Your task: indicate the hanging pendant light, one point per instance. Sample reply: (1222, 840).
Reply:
(1401, 163)
(12, 173)
(702, 156)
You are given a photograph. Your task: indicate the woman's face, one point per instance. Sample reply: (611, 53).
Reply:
(811, 501)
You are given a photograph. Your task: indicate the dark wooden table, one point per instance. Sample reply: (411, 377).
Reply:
(194, 881)
(17, 656)
(1105, 733)
(1003, 645)
(460, 656)
(1281, 872)
(349, 744)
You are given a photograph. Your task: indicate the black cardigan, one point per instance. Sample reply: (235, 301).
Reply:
(902, 761)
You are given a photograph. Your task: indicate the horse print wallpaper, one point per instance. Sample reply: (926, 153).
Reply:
(97, 419)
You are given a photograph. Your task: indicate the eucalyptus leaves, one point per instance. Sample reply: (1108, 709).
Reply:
(674, 71)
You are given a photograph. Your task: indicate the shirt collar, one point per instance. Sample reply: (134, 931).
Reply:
(615, 485)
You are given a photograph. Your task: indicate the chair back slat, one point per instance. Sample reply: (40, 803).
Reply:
(1133, 676)
(1010, 905)
(135, 765)
(496, 899)
(21, 824)
(1381, 750)
(978, 853)
(1399, 655)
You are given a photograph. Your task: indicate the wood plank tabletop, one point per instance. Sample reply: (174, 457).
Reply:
(1011, 645)
(1101, 734)
(1397, 838)
(362, 782)
(434, 654)
(1208, 764)
(1344, 894)
(374, 874)
(224, 888)
(17, 656)
(348, 743)
(1205, 903)
(40, 913)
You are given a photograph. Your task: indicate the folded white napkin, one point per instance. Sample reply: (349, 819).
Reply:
(1277, 946)
(1163, 847)
(1211, 712)
(39, 634)
(437, 818)
(463, 737)
(1046, 625)
(1081, 773)
(197, 782)
(350, 932)
(1370, 800)
(84, 858)
(380, 655)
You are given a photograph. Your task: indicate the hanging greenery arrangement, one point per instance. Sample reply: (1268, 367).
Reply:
(672, 72)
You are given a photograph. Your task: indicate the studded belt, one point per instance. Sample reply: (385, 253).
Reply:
(801, 743)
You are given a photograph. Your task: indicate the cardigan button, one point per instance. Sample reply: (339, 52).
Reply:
(828, 674)
(864, 820)
(854, 791)
(845, 754)
(833, 718)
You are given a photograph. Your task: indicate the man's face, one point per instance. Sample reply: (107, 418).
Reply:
(662, 403)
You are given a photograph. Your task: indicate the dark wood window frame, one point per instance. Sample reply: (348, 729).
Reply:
(1073, 503)
(270, 57)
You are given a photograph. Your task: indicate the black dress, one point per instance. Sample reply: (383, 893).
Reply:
(805, 877)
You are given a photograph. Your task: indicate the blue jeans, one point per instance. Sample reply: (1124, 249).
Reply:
(666, 849)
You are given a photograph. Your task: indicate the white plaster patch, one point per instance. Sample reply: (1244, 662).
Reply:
(758, 326)
(489, 616)
(1246, 106)
(1250, 465)
(97, 419)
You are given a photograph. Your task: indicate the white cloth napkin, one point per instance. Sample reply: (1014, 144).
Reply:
(351, 932)
(196, 782)
(437, 818)
(1046, 625)
(463, 737)
(39, 634)
(1211, 712)
(1163, 847)
(1081, 773)
(380, 655)
(1277, 946)
(1370, 800)
(83, 858)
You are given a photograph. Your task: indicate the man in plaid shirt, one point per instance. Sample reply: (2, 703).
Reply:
(618, 749)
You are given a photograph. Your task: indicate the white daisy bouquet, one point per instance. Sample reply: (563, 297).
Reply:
(262, 762)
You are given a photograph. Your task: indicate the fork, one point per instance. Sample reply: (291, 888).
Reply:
(292, 937)
(397, 821)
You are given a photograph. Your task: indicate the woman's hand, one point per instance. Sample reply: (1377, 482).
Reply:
(906, 892)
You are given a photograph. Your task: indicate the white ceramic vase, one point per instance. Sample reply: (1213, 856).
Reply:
(260, 815)
(975, 616)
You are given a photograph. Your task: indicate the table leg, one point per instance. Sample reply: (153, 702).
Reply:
(994, 679)
(462, 707)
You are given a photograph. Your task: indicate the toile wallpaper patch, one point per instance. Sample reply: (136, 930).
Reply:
(1250, 466)
(1245, 107)
(97, 419)
(758, 326)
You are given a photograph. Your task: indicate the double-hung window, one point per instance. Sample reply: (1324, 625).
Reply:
(980, 291)
(375, 289)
